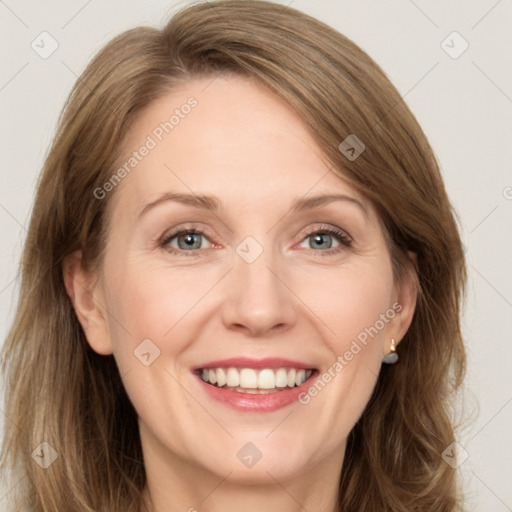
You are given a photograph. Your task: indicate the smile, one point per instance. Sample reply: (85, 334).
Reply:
(254, 385)
(255, 381)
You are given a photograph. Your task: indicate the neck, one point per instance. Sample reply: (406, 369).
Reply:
(179, 486)
(233, 497)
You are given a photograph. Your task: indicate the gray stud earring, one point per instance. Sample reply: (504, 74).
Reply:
(392, 357)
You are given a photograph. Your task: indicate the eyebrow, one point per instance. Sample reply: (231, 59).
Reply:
(210, 202)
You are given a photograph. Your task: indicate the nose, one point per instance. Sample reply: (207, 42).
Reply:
(258, 301)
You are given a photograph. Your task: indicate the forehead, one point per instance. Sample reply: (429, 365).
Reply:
(227, 136)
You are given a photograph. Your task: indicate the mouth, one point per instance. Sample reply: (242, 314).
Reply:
(254, 380)
(254, 385)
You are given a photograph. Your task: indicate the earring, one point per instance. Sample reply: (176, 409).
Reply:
(392, 357)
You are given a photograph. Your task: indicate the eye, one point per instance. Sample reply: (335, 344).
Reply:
(322, 239)
(185, 240)
(190, 241)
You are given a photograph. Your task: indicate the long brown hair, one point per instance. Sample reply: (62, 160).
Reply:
(60, 392)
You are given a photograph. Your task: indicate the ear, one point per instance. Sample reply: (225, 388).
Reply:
(406, 297)
(84, 290)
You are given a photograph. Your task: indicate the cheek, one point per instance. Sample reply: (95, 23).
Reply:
(351, 302)
(143, 306)
(150, 301)
(149, 331)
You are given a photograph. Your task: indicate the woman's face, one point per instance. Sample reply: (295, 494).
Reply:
(274, 285)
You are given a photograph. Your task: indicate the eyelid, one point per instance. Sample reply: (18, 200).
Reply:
(187, 227)
(343, 237)
(331, 229)
(172, 234)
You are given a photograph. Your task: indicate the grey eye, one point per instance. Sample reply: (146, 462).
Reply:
(320, 241)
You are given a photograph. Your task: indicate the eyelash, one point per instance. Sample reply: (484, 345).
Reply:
(341, 236)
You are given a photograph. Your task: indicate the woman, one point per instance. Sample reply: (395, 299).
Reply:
(248, 372)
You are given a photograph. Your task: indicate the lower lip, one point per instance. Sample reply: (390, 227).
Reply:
(252, 402)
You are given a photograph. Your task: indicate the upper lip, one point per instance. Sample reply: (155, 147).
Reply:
(247, 362)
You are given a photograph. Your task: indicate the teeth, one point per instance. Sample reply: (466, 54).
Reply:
(291, 378)
(232, 378)
(266, 379)
(282, 378)
(221, 377)
(300, 377)
(248, 378)
(255, 381)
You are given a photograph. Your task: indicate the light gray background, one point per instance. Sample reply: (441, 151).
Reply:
(463, 104)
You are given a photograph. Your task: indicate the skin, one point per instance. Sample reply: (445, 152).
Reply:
(296, 300)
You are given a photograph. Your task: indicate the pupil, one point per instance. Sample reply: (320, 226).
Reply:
(189, 241)
(320, 238)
